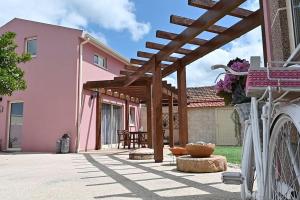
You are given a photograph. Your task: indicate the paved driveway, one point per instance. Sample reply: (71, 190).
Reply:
(105, 175)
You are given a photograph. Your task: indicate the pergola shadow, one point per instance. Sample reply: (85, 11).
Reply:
(139, 191)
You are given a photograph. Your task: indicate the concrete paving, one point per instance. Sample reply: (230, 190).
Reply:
(104, 175)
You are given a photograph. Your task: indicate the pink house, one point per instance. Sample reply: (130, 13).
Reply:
(55, 102)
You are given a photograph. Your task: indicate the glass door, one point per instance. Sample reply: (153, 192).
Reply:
(111, 121)
(15, 125)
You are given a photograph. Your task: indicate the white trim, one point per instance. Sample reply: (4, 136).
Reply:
(104, 48)
(8, 124)
(79, 94)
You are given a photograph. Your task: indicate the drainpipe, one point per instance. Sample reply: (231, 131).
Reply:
(79, 92)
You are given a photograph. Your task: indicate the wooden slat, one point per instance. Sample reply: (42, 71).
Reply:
(149, 55)
(137, 61)
(208, 4)
(172, 36)
(183, 21)
(131, 67)
(126, 73)
(142, 62)
(219, 10)
(111, 83)
(153, 45)
(237, 30)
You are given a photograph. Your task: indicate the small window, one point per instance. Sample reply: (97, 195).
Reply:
(99, 61)
(132, 115)
(31, 46)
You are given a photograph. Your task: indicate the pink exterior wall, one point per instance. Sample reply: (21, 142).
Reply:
(50, 100)
(91, 72)
(50, 97)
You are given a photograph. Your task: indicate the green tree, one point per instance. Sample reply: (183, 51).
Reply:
(11, 76)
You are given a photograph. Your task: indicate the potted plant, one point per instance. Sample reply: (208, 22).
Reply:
(232, 87)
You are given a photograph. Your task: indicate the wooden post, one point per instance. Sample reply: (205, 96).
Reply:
(157, 113)
(149, 117)
(171, 136)
(127, 115)
(182, 106)
(98, 121)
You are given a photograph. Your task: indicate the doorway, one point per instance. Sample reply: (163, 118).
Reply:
(111, 121)
(15, 125)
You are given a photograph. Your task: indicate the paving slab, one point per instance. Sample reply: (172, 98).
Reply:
(104, 175)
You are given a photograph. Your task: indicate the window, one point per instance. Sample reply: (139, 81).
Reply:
(131, 115)
(99, 61)
(295, 4)
(31, 46)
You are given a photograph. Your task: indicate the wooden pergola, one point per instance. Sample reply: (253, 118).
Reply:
(149, 71)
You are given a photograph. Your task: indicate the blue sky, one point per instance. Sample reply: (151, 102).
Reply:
(125, 25)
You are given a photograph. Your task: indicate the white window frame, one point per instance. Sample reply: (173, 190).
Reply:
(26, 43)
(100, 57)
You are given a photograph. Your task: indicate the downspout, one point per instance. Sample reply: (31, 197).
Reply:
(79, 93)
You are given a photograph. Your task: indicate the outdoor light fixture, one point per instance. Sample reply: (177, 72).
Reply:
(94, 95)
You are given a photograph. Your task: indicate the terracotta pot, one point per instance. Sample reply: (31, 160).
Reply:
(178, 151)
(200, 150)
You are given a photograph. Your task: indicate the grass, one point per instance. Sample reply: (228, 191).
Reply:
(232, 153)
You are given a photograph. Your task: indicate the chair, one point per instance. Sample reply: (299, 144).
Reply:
(134, 139)
(123, 136)
(143, 139)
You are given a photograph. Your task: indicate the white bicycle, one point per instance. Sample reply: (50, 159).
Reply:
(271, 147)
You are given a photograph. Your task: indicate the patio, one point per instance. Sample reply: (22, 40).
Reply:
(105, 174)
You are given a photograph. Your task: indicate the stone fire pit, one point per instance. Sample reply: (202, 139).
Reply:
(142, 154)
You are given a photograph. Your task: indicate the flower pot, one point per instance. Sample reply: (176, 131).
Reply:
(200, 150)
(178, 151)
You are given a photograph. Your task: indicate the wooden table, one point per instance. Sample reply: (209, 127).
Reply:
(136, 137)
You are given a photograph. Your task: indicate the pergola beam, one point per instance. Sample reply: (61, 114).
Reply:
(218, 11)
(208, 4)
(183, 21)
(149, 55)
(235, 31)
(172, 36)
(131, 67)
(153, 45)
(142, 62)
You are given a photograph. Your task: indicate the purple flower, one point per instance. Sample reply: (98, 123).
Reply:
(227, 84)
(219, 86)
(242, 66)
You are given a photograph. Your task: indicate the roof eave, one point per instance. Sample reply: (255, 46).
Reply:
(103, 47)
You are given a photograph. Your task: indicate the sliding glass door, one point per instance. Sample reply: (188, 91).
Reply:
(111, 121)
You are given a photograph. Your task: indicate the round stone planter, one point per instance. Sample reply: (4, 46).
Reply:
(200, 150)
(214, 163)
(141, 154)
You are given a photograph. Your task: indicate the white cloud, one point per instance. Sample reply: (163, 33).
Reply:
(199, 73)
(117, 15)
